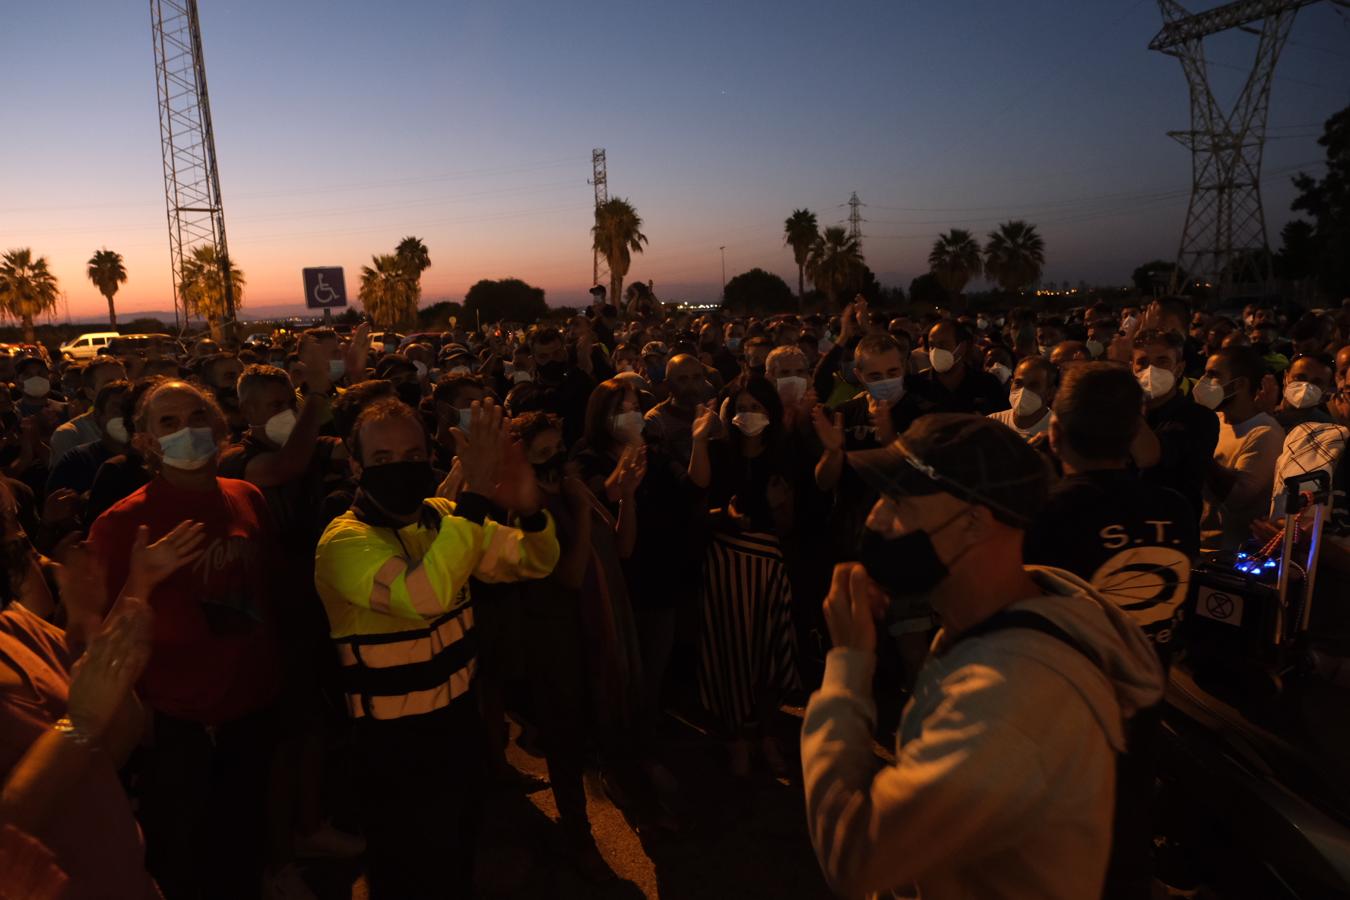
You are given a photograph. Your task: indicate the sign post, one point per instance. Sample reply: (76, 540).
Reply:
(325, 289)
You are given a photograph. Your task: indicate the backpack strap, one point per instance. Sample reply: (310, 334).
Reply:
(1022, 618)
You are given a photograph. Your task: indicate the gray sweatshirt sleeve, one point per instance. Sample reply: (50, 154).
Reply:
(966, 786)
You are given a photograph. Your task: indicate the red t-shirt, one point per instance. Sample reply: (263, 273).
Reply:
(215, 655)
(92, 838)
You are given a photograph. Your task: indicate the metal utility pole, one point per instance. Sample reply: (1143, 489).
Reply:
(191, 176)
(855, 218)
(723, 251)
(1224, 239)
(600, 178)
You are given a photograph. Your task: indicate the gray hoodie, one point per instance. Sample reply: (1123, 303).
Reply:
(1004, 780)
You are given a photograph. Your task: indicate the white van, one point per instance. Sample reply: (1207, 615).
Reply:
(86, 346)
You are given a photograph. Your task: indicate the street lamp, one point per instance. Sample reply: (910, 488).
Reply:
(723, 250)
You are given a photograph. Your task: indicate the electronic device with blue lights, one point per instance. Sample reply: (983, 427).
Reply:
(1253, 607)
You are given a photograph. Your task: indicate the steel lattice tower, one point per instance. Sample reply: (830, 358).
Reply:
(1224, 239)
(855, 218)
(600, 178)
(191, 177)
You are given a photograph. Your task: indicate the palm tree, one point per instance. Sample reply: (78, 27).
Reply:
(414, 259)
(800, 232)
(1014, 256)
(107, 273)
(27, 288)
(835, 263)
(386, 293)
(202, 288)
(617, 235)
(954, 260)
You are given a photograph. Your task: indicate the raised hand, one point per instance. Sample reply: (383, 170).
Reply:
(114, 660)
(854, 606)
(152, 563)
(60, 506)
(315, 360)
(829, 432)
(516, 488)
(880, 411)
(357, 351)
(479, 450)
(453, 481)
(705, 425)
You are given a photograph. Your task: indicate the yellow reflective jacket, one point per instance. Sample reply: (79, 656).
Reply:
(398, 601)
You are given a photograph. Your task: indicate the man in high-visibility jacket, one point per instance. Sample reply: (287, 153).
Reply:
(393, 573)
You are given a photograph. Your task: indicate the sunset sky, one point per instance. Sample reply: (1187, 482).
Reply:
(343, 126)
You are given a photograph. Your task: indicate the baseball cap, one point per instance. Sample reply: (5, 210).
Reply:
(654, 348)
(968, 456)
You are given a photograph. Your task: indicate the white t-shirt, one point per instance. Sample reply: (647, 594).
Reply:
(1250, 449)
(1041, 425)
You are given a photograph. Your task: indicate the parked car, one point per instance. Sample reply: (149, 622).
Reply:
(129, 344)
(87, 346)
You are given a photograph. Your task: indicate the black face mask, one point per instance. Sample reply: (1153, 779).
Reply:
(410, 393)
(551, 469)
(553, 371)
(399, 488)
(907, 565)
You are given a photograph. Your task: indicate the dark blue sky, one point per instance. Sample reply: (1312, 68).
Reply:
(342, 126)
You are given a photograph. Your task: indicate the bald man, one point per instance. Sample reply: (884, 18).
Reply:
(1032, 393)
(670, 423)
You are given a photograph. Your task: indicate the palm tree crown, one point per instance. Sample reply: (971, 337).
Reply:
(800, 232)
(107, 273)
(617, 235)
(27, 288)
(202, 287)
(388, 296)
(1014, 255)
(954, 260)
(414, 260)
(835, 263)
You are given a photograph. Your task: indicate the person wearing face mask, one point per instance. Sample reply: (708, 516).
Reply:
(714, 352)
(565, 384)
(393, 573)
(84, 428)
(789, 370)
(1011, 739)
(580, 613)
(452, 400)
(1238, 481)
(1186, 432)
(34, 380)
(215, 665)
(747, 642)
(1307, 385)
(75, 470)
(1032, 395)
(954, 383)
(221, 374)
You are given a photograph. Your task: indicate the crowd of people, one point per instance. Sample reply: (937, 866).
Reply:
(225, 566)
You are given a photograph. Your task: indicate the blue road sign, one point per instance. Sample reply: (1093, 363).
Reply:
(324, 288)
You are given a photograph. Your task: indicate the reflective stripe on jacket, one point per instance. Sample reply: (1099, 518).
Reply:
(398, 601)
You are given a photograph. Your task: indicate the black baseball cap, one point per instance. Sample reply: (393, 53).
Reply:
(969, 456)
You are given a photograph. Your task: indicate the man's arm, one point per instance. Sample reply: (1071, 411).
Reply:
(966, 783)
(288, 463)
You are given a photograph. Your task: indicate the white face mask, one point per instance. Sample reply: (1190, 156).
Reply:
(117, 429)
(1156, 381)
(1209, 393)
(520, 376)
(1024, 402)
(982, 324)
(628, 426)
(1001, 372)
(278, 428)
(1302, 395)
(750, 423)
(421, 368)
(1096, 349)
(188, 448)
(791, 389)
(460, 370)
(941, 360)
(37, 386)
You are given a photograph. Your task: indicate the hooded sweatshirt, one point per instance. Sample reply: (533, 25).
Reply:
(1004, 779)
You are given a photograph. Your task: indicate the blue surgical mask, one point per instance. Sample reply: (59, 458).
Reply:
(888, 389)
(188, 448)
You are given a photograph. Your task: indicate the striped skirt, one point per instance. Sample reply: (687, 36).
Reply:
(747, 647)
